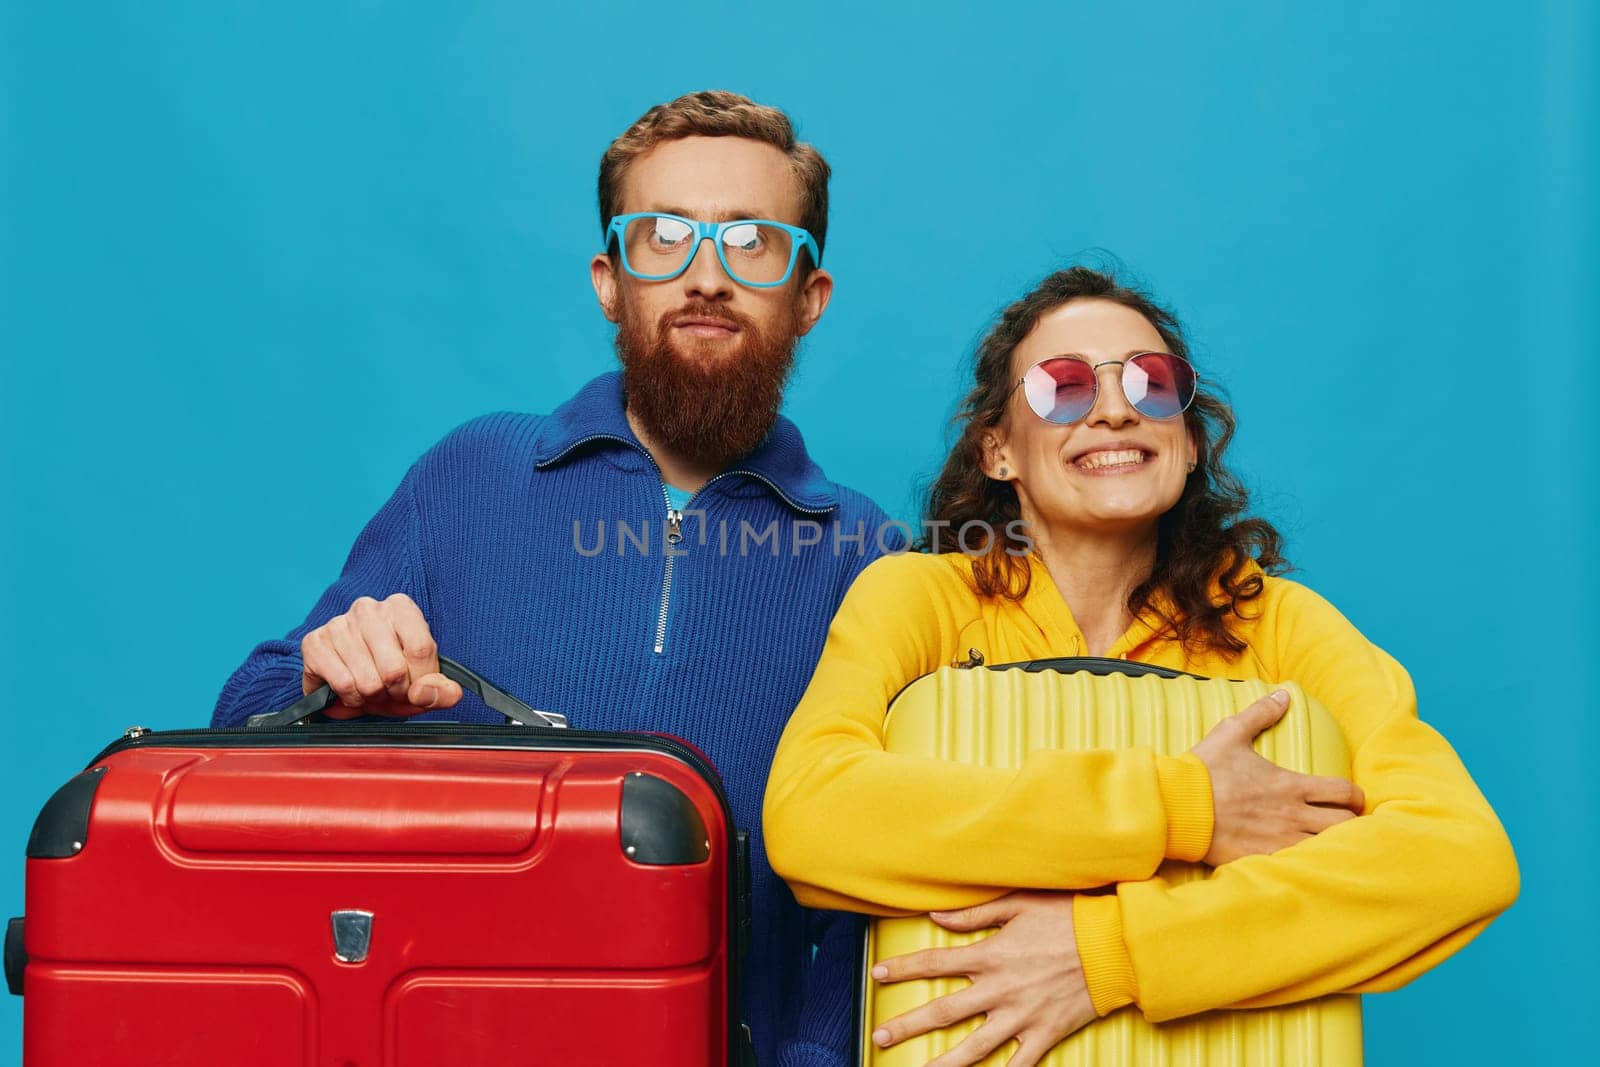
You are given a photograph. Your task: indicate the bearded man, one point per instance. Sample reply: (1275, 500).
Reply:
(659, 553)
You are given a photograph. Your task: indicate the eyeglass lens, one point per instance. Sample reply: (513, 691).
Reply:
(659, 246)
(1063, 389)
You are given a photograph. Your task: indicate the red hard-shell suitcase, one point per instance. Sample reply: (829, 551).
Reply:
(407, 895)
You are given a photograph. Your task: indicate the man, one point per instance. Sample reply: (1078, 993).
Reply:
(659, 553)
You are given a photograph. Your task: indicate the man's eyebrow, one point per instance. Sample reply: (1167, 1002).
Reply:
(716, 216)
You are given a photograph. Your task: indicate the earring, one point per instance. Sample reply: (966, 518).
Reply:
(1004, 472)
(1192, 467)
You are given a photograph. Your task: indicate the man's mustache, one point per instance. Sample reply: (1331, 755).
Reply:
(704, 311)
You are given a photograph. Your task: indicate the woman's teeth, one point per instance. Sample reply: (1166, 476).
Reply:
(1120, 458)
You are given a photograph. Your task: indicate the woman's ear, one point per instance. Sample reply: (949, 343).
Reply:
(993, 457)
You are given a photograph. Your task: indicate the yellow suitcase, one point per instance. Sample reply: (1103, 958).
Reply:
(993, 716)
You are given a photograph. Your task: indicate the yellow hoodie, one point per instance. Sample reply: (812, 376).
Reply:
(1362, 907)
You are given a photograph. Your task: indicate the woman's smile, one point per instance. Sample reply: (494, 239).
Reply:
(1110, 461)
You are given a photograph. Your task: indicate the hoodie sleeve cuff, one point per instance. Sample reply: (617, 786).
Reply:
(1107, 967)
(1185, 787)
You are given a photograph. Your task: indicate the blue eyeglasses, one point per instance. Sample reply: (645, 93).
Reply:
(758, 253)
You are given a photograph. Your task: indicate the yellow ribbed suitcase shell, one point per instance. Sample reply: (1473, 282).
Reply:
(994, 716)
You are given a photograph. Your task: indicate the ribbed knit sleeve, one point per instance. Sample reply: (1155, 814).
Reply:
(825, 1033)
(1185, 786)
(1107, 970)
(385, 560)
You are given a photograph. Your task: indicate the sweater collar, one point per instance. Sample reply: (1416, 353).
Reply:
(597, 413)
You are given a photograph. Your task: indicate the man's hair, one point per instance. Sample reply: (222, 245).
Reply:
(719, 113)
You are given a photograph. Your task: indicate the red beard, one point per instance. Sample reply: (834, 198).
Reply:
(709, 408)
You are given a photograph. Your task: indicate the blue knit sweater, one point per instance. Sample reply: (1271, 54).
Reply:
(536, 548)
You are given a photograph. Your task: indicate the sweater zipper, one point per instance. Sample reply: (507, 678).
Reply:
(675, 518)
(674, 537)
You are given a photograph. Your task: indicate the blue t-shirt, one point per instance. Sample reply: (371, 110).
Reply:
(677, 499)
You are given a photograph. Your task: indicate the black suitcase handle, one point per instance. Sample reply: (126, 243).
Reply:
(496, 698)
(1099, 665)
(16, 957)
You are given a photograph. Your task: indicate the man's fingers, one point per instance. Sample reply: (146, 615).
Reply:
(352, 649)
(383, 645)
(978, 917)
(314, 653)
(1338, 792)
(434, 691)
(329, 669)
(323, 667)
(379, 657)
(416, 639)
(934, 1015)
(927, 963)
(1264, 712)
(323, 660)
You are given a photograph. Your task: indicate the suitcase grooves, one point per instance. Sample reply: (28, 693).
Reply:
(1055, 705)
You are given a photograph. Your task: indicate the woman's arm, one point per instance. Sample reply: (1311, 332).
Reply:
(851, 826)
(1364, 906)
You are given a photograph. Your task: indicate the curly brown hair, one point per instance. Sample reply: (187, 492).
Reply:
(1203, 538)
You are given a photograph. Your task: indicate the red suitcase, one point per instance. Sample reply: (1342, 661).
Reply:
(407, 895)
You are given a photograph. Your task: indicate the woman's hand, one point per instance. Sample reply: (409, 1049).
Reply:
(1260, 807)
(1026, 978)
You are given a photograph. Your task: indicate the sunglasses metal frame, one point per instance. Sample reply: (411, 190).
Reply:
(712, 231)
(1094, 374)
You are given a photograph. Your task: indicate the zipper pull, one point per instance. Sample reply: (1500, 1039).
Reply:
(674, 526)
(974, 659)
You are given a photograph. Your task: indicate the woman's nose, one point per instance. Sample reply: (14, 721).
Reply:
(1111, 407)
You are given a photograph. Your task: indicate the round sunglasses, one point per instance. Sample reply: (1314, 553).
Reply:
(1063, 389)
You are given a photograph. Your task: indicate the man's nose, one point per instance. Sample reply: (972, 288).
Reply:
(1111, 407)
(704, 277)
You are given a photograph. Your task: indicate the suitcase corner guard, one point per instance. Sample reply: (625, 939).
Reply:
(62, 827)
(660, 825)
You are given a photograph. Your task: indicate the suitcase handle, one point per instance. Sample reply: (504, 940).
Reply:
(16, 957)
(515, 711)
(1093, 665)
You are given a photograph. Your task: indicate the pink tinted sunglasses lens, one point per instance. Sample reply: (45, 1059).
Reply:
(1160, 386)
(1060, 390)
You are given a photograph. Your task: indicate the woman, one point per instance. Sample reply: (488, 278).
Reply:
(1086, 424)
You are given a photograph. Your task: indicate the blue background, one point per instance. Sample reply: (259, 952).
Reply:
(254, 258)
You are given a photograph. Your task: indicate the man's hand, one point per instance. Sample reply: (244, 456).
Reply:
(1260, 807)
(380, 658)
(1026, 978)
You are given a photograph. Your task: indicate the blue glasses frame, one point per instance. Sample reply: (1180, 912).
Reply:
(713, 231)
